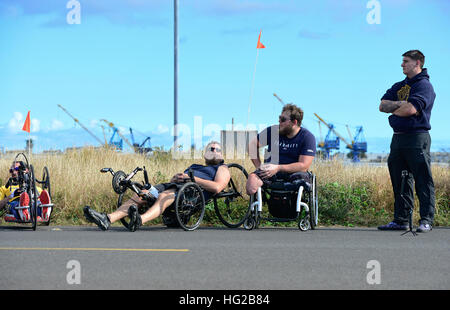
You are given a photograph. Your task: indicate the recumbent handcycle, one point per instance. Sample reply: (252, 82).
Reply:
(230, 205)
(35, 212)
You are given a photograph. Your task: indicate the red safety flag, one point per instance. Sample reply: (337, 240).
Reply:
(260, 45)
(26, 126)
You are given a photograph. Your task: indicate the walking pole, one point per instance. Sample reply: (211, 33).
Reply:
(411, 207)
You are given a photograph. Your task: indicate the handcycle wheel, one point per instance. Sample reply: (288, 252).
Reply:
(45, 181)
(235, 209)
(33, 194)
(190, 206)
(46, 186)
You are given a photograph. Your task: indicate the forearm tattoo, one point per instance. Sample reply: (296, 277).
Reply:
(388, 106)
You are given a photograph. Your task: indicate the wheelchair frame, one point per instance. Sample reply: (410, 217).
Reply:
(27, 183)
(189, 199)
(306, 220)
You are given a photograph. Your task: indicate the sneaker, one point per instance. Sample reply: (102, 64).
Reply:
(393, 226)
(424, 228)
(101, 219)
(135, 218)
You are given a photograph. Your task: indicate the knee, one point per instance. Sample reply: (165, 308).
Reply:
(253, 183)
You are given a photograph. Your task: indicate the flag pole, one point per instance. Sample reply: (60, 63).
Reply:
(251, 89)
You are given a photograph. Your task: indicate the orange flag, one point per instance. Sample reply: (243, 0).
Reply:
(26, 126)
(260, 45)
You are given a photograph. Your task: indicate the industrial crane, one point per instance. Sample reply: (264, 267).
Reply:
(82, 126)
(357, 145)
(115, 130)
(139, 148)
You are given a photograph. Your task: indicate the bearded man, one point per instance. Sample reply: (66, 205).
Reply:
(291, 149)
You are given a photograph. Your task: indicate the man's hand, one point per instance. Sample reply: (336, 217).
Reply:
(268, 170)
(179, 178)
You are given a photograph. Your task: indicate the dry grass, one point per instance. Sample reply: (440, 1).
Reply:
(349, 194)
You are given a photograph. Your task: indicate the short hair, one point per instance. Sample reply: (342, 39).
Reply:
(211, 143)
(296, 112)
(416, 55)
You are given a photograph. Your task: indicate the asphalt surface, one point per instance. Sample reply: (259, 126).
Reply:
(158, 258)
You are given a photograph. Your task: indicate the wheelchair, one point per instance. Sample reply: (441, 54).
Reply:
(289, 200)
(35, 212)
(188, 209)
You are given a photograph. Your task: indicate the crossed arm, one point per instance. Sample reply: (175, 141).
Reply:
(399, 108)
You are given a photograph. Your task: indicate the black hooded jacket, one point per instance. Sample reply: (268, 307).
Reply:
(420, 93)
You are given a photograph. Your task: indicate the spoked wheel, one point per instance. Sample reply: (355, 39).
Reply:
(190, 206)
(313, 204)
(309, 221)
(45, 181)
(233, 211)
(33, 194)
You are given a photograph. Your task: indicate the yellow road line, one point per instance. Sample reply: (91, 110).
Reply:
(92, 249)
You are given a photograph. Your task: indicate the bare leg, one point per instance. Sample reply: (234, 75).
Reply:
(253, 183)
(122, 211)
(165, 199)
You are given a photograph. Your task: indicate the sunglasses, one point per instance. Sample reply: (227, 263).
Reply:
(217, 149)
(283, 118)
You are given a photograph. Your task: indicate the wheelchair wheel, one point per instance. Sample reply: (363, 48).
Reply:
(313, 204)
(190, 206)
(253, 217)
(33, 194)
(235, 208)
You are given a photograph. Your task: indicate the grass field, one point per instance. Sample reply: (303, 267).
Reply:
(349, 195)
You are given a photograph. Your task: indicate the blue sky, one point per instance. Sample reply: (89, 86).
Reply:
(118, 65)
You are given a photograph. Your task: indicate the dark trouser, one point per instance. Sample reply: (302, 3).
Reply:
(411, 152)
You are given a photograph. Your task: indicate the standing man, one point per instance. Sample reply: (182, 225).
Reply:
(410, 102)
(291, 149)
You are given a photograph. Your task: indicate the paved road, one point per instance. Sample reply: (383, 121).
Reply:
(213, 258)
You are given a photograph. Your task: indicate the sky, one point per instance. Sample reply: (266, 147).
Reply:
(117, 63)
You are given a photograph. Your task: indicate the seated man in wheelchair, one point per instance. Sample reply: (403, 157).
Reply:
(12, 198)
(213, 178)
(291, 150)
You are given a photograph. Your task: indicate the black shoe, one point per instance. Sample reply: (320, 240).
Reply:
(101, 219)
(135, 218)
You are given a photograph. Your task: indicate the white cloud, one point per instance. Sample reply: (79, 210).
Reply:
(56, 125)
(35, 125)
(16, 123)
(162, 129)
